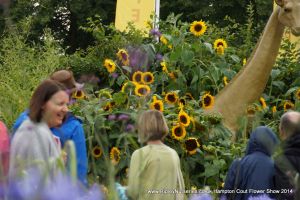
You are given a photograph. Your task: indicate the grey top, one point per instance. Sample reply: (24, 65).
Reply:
(33, 146)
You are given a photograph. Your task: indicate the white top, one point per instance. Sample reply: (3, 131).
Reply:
(33, 146)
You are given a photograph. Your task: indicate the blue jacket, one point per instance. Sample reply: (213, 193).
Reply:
(71, 129)
(256, 170)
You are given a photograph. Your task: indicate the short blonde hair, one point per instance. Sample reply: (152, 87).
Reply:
(152, 126)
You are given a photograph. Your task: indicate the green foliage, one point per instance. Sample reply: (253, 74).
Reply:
(23, 66)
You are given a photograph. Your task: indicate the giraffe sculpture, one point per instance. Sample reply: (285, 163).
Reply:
(248, 85)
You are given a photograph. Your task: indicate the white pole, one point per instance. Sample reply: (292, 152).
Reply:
(157, 7)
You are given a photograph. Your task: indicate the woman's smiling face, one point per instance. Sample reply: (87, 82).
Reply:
(55, 109)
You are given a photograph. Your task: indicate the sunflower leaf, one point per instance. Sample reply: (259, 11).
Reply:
(290, 91)
(209, 47)
(235, 58)
(129, 69)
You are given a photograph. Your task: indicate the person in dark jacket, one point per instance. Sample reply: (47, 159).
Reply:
(287, 163)
(71, 129)
(253, 174)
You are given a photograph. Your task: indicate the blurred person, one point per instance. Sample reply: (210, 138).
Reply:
(4, 151)
(71, 128)
(287, 163)
(154, 168)
(255, 171)
(34, 146)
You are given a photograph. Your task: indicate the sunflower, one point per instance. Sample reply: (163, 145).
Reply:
(274, 109)
(171, 97)
(298, 94)
(164, 66)
(148, 24)
(288, 105)
(147, 78)
(191, 144)
(104, 94)
(208, 101)
(123, 56)
(97, 152)
(178, 132)
(244, 61)
(157, 105)
(172, 75)
(262, 102)
(184, 118)
(142, 90)
(115, 155)
(163, 39)
(110, 65)
(220, 42)
(220, 50)
(225, 80)
(108, 106)
(78, 94)
(198, 28)
(137, 77)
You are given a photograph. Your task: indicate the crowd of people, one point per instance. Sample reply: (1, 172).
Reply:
(41, 132)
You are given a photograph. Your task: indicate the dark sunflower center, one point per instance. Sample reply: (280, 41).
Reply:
(183, 119)
(191, 144)
(142, 91)
(116, 156)
(97, 151)
(124, 56)
(110, 65)
(220, 44)
(157, 106)
(148, 78)
(198, 27)
(171, 98)
(138, 77)
(207, 101)
(261, 102)
(79, 93)
(288, 106)
(182, 101)
(178, 131)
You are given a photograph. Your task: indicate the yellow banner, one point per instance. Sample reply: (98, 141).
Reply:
(136, 11)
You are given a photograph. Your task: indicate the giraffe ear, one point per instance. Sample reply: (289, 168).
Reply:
(279, 2)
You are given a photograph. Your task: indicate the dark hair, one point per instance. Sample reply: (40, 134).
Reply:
(41, 95)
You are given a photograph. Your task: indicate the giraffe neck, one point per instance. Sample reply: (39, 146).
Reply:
(250, 82)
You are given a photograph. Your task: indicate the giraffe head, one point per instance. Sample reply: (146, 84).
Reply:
(289, 14)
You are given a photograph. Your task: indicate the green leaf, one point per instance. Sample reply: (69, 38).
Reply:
(209, 47)
(187, 57)
(235, 58)
(279, 84)
(129, 69)
(275, 73)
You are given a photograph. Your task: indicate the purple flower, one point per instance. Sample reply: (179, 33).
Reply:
(112, 117)
(155, 32)
(201, 197)
(159, 57)
(60, 187)
(129, 128)
(115, 75)
(123, 117)
(260, 197)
